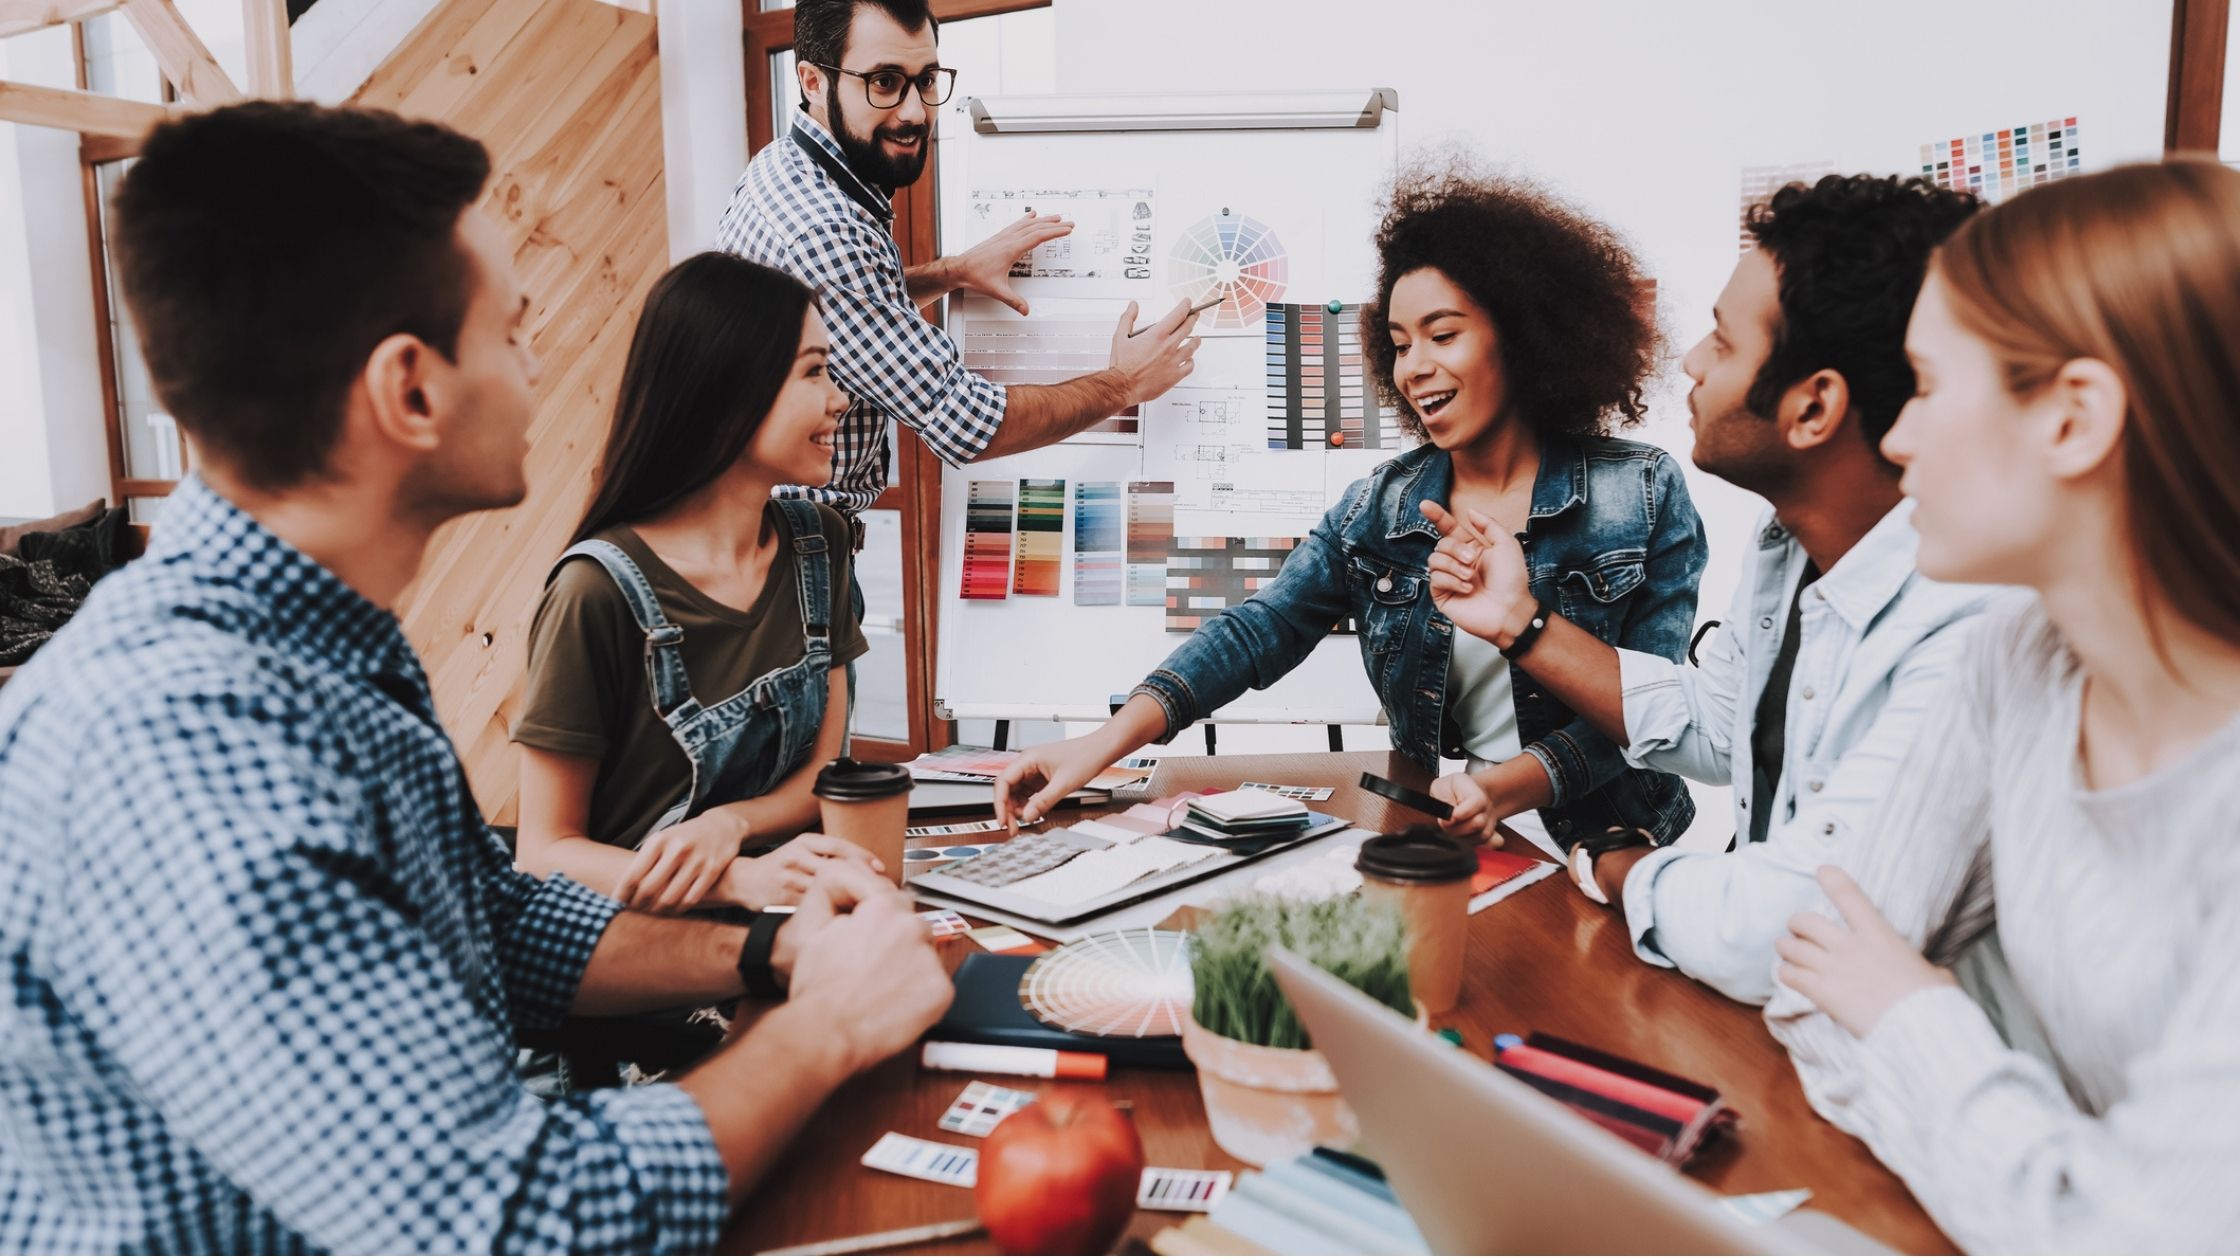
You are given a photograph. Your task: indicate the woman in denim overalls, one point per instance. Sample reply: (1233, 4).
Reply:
(724, 398)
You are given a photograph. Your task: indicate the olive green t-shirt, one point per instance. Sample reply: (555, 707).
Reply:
(587, 690)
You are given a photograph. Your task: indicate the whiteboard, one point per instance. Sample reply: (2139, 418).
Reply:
(1148, 206)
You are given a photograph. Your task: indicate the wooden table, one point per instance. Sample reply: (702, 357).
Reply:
(1544, 960)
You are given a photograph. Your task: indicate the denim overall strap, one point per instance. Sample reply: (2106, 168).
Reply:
(812, 561)
(666, 683)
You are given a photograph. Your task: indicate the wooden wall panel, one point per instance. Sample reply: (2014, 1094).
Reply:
(567, 95)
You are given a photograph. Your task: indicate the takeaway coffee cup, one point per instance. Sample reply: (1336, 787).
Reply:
(1426, 875)
(867, 802)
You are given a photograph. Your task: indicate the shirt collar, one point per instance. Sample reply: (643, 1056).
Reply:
(282, 594)
(1559, 486)
(816, 140)
(1874, 572)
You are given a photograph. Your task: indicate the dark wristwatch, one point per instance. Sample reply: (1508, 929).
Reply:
(754, 957)
(1531, 632)
(1583, 854)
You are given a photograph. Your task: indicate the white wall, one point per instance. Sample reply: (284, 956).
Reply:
(703, 127)
(53, 454)
(1643, 112)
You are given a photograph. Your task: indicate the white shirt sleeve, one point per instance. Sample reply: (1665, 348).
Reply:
(1716, 916)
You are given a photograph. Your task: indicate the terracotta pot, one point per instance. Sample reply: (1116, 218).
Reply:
(1267, 1105)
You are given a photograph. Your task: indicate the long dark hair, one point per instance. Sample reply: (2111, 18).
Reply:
(713, 348)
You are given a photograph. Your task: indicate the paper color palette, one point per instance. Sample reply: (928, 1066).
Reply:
(1046, 351)
(1234, 257)
(1760, 183)
(1206, 575)
(1150, 537)
(1319, 396)
(1042, 531)
(1096, 542)
(1996, 165)
(987, 540)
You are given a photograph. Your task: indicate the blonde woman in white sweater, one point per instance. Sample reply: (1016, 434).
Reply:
(2076, 432)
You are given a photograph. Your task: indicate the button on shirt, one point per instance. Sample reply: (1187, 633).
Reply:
(265, 962)
(1876, 642)
(835, 233)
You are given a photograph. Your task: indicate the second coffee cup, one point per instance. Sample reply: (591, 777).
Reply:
(1426, 875)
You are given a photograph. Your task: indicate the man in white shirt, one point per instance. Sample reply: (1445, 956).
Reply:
(1807, 697)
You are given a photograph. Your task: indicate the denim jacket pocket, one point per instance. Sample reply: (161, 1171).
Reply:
(1390, 595)
(1585, 592)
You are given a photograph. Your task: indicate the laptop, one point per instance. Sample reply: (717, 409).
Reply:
(1445, 1125)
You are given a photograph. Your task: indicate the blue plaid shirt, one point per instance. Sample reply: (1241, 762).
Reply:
(790, 213)
(264, 960)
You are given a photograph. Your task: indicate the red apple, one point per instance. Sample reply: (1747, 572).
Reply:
(1059, 1176)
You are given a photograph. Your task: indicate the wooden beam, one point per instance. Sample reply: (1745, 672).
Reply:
(271, 63)
(2198, 30)
(19, 16)
(97, 149)
(186, 61)
(88, 113)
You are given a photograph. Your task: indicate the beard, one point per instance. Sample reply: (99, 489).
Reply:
(865, 157)
(1742, 448)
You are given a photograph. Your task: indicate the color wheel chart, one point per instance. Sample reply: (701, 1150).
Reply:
(1096, 542)
(1235, 258)
(1131, 983)
(1207, 575)
(1042, 531)
(1318, 381)
(1998, 164)
(987, 540)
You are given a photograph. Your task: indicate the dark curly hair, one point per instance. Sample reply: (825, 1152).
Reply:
(1852, 251)
(1564, 292)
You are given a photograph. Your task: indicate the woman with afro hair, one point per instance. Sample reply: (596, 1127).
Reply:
(1511, 333)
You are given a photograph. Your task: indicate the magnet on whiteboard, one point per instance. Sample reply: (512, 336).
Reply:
(1338, 438)
(1334, 305)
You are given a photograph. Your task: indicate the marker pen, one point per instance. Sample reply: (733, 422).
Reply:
(1063, 1065)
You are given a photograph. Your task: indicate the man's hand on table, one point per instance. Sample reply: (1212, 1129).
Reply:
(859, 960)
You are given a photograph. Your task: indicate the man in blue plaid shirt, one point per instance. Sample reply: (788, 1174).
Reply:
(817, 204)
(265, 965)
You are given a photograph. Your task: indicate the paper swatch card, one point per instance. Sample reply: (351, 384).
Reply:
(1182, 1189)
(927, 1161)
(981, 1107)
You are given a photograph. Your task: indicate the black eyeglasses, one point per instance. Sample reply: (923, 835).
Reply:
(884, 88)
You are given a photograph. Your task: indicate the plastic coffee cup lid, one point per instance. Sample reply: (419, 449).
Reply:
(850, 780)
(1419, 855)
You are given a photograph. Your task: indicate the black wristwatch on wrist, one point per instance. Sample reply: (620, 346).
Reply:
(1583, 854)
(754, 957)
(1531, 632)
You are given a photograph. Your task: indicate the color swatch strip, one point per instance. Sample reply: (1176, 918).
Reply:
(1042, 532)
(1150, 538)
(987, 540)
(1996, 165)
(1096, 542)
(1207, 575)
(1318, 381)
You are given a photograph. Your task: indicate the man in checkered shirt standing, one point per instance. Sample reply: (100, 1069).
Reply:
(264, 962)
(817, 204)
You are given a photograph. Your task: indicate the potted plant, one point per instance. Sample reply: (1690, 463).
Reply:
(1268, 1094)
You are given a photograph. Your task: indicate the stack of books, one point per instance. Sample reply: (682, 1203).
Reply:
(1322, 1203)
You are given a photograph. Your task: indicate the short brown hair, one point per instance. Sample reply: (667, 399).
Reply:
(2137, 268)
(1565, 295)
(266, 248)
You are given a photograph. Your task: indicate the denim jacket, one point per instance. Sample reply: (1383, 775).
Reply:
(1613, 542)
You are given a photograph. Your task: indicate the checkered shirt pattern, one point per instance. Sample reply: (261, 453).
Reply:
(789, 213)
(264, 960)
